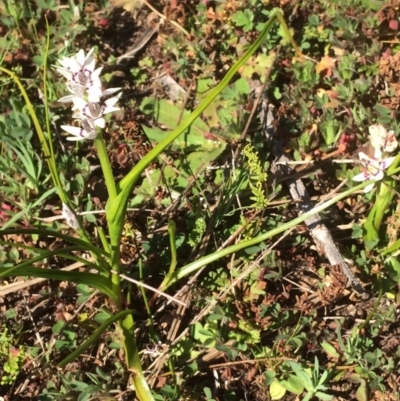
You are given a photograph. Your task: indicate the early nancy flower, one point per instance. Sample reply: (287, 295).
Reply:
(79, 70)
(373, 168)
(377, 135)
(391, 143)
(382, 139)
(95, 111)
(86, 131)
(79, 91)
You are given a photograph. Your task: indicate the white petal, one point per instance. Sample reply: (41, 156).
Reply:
(110, 110)
(387, 162)
(94, 94)
(77, 89)
(80, 133)
(89, 61)
(112, 101)
(93, 97)
(377, 143)
(79, 104)
(100, 122)
(66, 73)
(96, 73)
(80, 57)
(378, 154)
(361, 177)
(74, 66)
(378, 176)
(377, 130)
(66, 99)
(110, 91)
(391, 147)
(363, 156)
(75, 138)
(391, 143)
(89, 64)
(64, 61)
(89, 126)
(378, 135)
(369, 187)
(90, 52)
(94, 81)
(76, 131)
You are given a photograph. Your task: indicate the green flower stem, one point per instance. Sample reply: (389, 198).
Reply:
(106, 166)
(373, 223)
(384, 197)
(112, 194)
(132, 358)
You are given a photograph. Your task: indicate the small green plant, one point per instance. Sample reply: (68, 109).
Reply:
(305, 379)
(257, 177)
(75, 386)
(196, 234)
(11, 358)
(314, 384)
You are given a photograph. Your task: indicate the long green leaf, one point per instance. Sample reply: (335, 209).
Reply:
(9, 270)
(199, 263)
(60, 253)
(94, 337)
(97, 281)
(53, 233)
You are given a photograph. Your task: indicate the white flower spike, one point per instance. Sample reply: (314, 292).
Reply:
(86, 92)
(374, 168)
